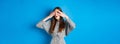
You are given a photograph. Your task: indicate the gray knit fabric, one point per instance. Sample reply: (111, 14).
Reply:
(57, 37)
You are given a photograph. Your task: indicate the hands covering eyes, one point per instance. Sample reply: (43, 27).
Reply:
(57, 13)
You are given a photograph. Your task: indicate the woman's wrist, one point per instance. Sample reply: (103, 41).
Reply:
(66, 16)
(46, 18)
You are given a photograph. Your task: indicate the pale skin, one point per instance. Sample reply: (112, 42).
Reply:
(57, 13)
(59, 32)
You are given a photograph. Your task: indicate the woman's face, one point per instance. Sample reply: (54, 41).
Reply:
(57, 14)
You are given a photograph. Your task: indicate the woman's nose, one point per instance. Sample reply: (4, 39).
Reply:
(55, 14)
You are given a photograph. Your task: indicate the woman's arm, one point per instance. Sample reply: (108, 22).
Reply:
(48, 17)
(70, 25)
(70, 22)
(44, 24)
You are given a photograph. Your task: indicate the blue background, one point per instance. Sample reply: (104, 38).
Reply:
(97, 21)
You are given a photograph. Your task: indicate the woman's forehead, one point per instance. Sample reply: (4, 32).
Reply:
(56, 9)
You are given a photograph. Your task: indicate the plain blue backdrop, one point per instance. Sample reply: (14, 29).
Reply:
(97, 21)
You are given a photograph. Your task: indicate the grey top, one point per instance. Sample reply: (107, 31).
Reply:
(57, 37)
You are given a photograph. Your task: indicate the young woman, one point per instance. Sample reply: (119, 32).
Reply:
(58, 25)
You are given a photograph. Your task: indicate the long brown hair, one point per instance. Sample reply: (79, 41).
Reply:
(53, 23)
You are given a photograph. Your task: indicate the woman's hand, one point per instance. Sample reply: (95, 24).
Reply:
(62, 14)
(50, 16)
